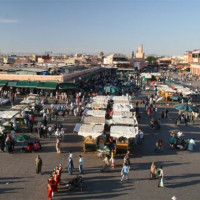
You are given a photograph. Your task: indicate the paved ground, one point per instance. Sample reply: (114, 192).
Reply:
(181, 168)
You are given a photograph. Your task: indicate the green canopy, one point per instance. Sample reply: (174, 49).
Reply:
(3, 82)
(12, 83)
(67, 86)
(22, 138)
(47, 85)
(111, 89)
(186, 107)
(27, 84)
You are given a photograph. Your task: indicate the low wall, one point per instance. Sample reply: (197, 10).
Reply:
(47, 78)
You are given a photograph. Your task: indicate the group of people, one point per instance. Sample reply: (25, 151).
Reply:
(177, 141)
(184, 118)
(156, 172)
(70, 164)
(54, 181)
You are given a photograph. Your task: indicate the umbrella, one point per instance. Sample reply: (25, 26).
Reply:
(186, 107)
(22, 138)
(111, 89)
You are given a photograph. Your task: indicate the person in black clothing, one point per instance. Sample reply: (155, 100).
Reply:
(166, 113)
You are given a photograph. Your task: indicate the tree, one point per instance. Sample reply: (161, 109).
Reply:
(151, 59)
(101, 54)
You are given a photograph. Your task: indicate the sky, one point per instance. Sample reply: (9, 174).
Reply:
(163, 27)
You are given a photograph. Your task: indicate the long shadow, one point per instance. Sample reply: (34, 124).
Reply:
(10, 190)
(183, 184)
(99, 187)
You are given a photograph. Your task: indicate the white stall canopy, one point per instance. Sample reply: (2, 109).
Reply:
(93, 120)
(122, 114)
(122, 107)
(125, 121)
(123, 131)
(8, 114)
(102, 105)
(94, 130)
(96, 113)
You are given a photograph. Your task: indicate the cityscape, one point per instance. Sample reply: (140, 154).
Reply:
(99, 99)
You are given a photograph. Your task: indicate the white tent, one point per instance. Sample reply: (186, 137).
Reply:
(19, 107)
(97, 105)
(120, 98)
(123, 131)
(125, 121)
(27, 101)
(8, 114)
(96, 113)
(122, 114)
(91, 130)
(122, 107)
(93, 120)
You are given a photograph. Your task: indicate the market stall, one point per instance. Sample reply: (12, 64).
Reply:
(90, 132)
(125, 136)
(95, 113)
(6, 117)
(95, 105)
(125, 121)
(122, 107)
(93, 120)
(122, 114)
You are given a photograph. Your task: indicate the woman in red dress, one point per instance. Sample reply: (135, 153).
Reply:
(49, 191)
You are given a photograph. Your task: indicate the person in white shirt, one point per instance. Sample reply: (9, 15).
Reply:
(62, 134)
(57, 133)
(81, 162)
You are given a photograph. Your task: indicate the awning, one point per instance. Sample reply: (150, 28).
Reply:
(67, 86)
(27, 84)
(3, 82)
(12, 83)
(47, 85)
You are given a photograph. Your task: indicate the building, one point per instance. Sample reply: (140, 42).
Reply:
(140, 53)
(195, 65)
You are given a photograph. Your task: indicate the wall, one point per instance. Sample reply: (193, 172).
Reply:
(47, 78)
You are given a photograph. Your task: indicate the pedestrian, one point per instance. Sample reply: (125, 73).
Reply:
(106, 163)
(38, 165)
(172, 140)
(81, 162)
(163, 114)
(112, 160)
(152, 171)
(62, 134)
(70, 166)
(50, 130)
(161, 178)
(49, 191)
(191, 144)
(166, 112)
(58, 145)
(125, 171)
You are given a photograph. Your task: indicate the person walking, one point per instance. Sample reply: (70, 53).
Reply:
(125, 171)
(166, 112)
(153, 171)
(58, 145)
(70, 166)
(38, 165)
(62, 134)
(106, 163)
(161, 178)
(191, 144)
(81, 162)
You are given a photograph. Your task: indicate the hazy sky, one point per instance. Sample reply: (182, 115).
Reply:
(164, 27)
